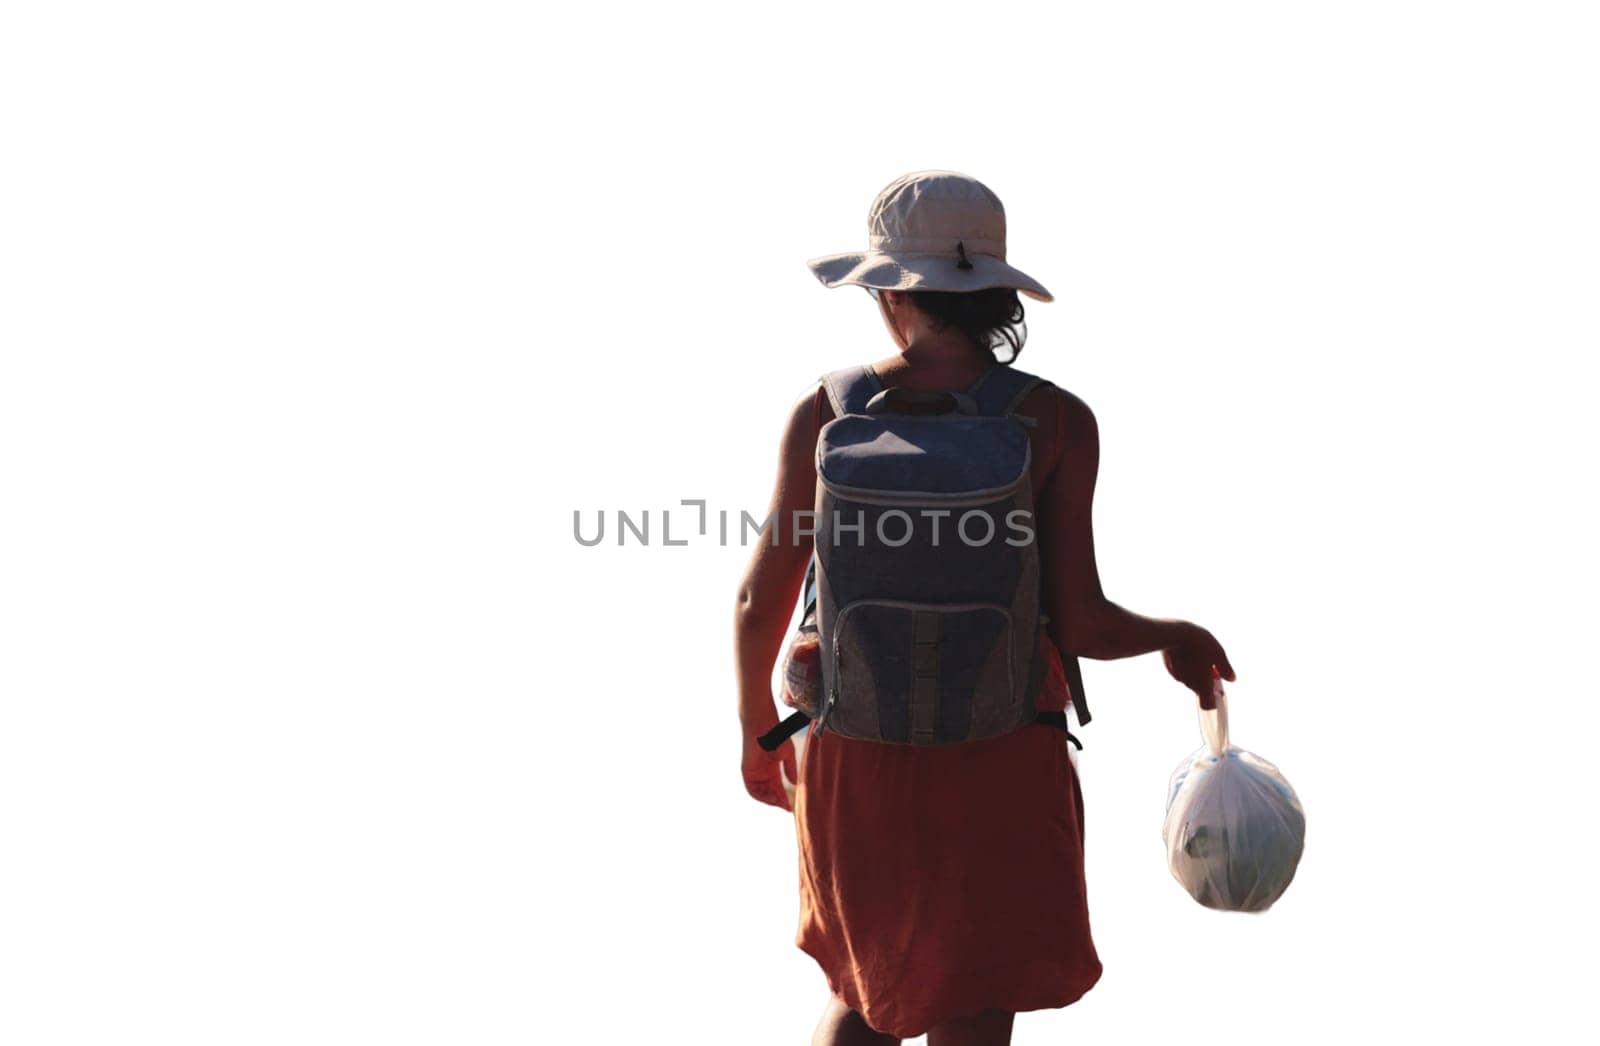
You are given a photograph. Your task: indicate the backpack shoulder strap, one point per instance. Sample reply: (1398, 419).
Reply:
(850, 389)
(1001, 391)
(1002, 388)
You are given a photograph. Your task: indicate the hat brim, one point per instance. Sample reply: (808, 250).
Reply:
(922, 272)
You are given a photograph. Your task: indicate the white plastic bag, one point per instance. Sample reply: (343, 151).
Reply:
(1234, 828)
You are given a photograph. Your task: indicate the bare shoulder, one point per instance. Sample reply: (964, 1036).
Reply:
(806, 416)
(1077, 419)
(806, 403)
(1064, 421)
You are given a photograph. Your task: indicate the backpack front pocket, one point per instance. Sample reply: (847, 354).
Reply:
(922, 673)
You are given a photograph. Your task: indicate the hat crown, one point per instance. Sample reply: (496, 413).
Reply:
(930, 212)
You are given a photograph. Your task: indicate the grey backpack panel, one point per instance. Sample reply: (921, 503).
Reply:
(946, 456)
(927, 565)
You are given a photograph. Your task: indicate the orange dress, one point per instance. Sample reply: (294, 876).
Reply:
(940, 882)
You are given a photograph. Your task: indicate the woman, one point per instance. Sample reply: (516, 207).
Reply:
(942, 886)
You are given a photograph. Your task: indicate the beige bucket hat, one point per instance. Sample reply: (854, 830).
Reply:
(931, 231)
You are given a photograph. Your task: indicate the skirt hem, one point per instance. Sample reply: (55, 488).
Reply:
(968, 1003)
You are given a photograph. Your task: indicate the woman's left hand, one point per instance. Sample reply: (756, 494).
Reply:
(763, 771)
(1190, 659)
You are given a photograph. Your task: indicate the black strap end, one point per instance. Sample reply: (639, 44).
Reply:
(1058, 720)
(773, 739)
(1080, 701)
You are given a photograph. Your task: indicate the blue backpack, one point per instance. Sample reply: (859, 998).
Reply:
(924, 586)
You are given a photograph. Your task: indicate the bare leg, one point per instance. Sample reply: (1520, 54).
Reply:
(842, 1026)
(989, 1028)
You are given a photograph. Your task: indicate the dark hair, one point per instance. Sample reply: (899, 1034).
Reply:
(991, 318)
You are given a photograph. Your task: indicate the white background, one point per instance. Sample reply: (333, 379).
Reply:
(320, 320)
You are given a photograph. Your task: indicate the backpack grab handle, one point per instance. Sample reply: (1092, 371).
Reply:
(886, 401)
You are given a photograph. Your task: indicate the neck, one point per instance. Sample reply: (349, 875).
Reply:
(941, 348)
(934, 363)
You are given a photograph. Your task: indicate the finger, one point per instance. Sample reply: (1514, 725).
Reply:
(1224, 666)
(768, 787)
(762, 792)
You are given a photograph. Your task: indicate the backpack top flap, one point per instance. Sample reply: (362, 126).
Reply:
(937, 458)
(978, 451)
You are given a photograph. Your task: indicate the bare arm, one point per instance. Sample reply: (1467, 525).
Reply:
(1082, 620)
(766, 600)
